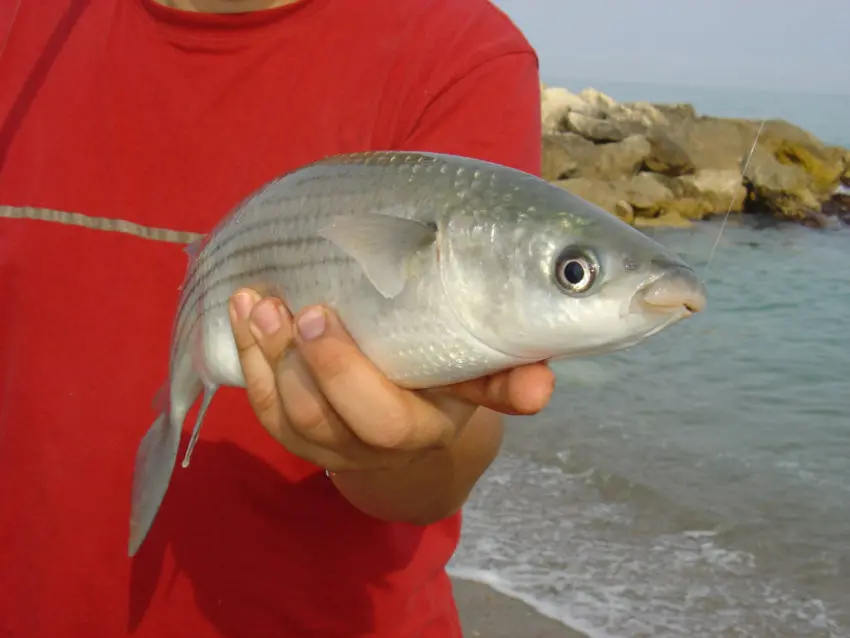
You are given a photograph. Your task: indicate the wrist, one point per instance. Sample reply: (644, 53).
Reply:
(430, 487)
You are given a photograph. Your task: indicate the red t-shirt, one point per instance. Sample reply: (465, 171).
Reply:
(126, 109)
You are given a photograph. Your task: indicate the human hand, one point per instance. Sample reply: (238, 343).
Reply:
(318, 395)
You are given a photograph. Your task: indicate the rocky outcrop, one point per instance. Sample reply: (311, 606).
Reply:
(669, 164)
(667, 156)
(568, 155)
(838, 207)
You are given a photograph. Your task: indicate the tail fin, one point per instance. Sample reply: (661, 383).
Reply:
(155, 461)
(157, 455)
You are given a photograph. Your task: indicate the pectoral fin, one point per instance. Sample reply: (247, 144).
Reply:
(382, 245)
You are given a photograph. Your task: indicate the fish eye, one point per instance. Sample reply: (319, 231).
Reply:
(576, 270)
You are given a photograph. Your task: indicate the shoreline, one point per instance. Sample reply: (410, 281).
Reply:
(487, 613)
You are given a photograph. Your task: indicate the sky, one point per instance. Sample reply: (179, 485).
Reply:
(798, 45)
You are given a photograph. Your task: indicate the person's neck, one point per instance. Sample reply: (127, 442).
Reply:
(224, 6)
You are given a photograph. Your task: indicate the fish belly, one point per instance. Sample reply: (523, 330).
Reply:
(219, 361)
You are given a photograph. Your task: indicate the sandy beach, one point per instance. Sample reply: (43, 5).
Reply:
(486, 613)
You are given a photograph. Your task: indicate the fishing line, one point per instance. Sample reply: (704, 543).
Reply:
(732, 201)
(675, 340)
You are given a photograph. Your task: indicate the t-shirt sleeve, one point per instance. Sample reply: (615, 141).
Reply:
(482, 99)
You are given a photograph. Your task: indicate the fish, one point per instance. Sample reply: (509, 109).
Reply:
(442, 268)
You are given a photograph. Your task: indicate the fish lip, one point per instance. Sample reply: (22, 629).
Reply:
(683, 310)
(677, 292)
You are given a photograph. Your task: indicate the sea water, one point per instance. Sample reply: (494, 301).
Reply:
(699, 483)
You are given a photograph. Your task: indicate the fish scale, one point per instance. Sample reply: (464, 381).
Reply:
(442, 268)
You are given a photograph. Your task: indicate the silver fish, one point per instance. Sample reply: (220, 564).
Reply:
(442, 268)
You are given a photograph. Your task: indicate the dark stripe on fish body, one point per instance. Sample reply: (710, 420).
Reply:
(195, 282)
(185, 329)
(243, 228)
(281, 193)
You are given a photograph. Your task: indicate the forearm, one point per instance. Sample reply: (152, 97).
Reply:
(433, 487)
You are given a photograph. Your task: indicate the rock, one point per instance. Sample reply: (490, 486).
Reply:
(811, 169)
(564, 154)
(624, 211)
(614, 161)
(602, 130)
(642, 113)
(557, 162)
(640, 196)
(556, 103)
(646, 194)
(838, 206)
(713, 143)
(793, 146)
(667, 157)
(602, 193)
(667, 220)
(694, 208)
(675, 113)
(567, 155)
(597, 99)
(616, 122)
(640, 160)
(676, 187)
(713, 191)
(780, 189)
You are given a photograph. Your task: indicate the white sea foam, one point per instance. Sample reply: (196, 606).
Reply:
(547, 537)
(497, 583)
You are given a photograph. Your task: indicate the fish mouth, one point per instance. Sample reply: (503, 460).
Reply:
(677, 292)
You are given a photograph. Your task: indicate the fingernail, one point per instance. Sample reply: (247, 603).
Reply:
(311, 324)
(266, 317)
(242, 304)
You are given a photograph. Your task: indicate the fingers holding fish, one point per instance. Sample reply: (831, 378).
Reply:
(251, 316)
(283, 391)
(327, 403)
(312, 429)
(280, 389)
(524, 390)
(378, 412)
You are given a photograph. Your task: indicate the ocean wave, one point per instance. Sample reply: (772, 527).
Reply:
(548, 537)
(553, 612)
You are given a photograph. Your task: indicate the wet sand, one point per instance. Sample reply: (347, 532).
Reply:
(486, 613)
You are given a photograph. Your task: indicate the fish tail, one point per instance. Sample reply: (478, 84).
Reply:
(157, 452)
(155, 461)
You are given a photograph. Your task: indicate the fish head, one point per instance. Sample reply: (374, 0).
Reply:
(544, 274)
